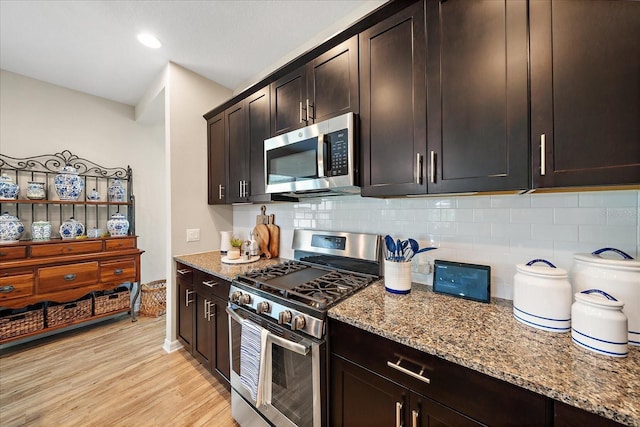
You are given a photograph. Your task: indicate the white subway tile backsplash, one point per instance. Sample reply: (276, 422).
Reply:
(500, 231)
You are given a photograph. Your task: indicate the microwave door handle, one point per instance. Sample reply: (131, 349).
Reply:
(322, 168)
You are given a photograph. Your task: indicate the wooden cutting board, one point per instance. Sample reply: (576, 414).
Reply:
(274, 236)
(262, 218)
(261, 233)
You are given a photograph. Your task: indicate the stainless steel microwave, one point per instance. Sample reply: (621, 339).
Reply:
(313, 161)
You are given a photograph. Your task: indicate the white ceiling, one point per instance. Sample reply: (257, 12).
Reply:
(91, 45)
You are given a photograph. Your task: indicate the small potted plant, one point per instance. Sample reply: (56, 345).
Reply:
(234, 251)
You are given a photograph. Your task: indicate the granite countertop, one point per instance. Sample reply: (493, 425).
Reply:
(486, 338)
(211, 262)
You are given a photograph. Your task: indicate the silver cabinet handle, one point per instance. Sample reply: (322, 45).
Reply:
(184, 271)
(433, 167)
(118, 271)
(220, 189)
(212, 310)
(300, 111)
(7, 289)
(187, 295)
(210, 283)
(208, 313)
(543, 149)
(309, 107)
(419, 376)
(414, 418)
(398, 414)
(418, 169)
(70, 277)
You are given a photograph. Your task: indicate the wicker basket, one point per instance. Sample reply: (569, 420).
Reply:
(61, 314)
(109, 301)
(14, 323)
(153, 300)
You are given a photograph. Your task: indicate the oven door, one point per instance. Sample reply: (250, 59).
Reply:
(292, 378)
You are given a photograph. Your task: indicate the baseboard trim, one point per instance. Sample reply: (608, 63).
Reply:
(171, 346)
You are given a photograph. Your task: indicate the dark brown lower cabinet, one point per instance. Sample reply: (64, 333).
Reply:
(203, 326)
(379, 382)
(570, 416)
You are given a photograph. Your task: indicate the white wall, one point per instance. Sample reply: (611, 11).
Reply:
(500, 231)
(40, 118)
(187, 97)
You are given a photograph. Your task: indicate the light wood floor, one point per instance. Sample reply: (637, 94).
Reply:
(110, 374)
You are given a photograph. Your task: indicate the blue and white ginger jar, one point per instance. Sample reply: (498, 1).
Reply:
(68, 183)
(118, 225)
(10, 228)
(116, 192)
(40, 230)
(8, 190)
(94, 196)
(71, 228)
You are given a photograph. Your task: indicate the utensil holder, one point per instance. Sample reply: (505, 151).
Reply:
(397, 277)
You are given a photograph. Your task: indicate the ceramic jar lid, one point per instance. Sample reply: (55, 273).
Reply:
(600, 299)
(595, 258)
(8, 217)
(69, 169)
(543, 268)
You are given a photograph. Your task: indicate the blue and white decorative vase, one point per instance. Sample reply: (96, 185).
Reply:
(10, 228)
(8, 190)
(40, 230)
(116, 192)
(36, 190)
(118, 225)
(71, 228)
(68, 183)
(94, 196)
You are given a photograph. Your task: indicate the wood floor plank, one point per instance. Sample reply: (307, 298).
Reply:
(110, 374)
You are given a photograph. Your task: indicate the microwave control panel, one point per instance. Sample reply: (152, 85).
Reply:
(338, 153)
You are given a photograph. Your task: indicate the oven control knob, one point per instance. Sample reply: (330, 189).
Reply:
(235, 296)
(284, 317)
(298, 323)
(245, 299)
(263, 307)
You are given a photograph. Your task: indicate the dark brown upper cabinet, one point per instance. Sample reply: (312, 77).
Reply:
(393, 105)
(477, 105)
(237, 149)
(585, 92)
(259, 129)
(325, 87)
(217, 159)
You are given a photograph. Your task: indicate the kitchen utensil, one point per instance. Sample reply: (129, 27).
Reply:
(262, 218)
(262, 233)
(391, 247)
(619, 277)
(274, 236)
(599, 324)
(542, 296)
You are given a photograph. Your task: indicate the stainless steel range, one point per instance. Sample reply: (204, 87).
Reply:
(277, 326)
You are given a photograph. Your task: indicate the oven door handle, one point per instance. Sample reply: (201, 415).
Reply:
(282, 342)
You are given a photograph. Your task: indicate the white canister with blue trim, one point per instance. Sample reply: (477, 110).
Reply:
(542, 296)
(599, 324)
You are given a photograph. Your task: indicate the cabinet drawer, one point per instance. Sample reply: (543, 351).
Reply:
(69, 276)
(20, 285)
(70, 248)
(118, 271)
(120, 243)
(184, 273)
(208, 283)
(13, 253)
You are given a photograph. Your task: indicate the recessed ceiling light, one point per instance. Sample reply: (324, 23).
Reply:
(149, 41)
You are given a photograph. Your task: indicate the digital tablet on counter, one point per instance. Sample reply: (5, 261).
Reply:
(462, 280)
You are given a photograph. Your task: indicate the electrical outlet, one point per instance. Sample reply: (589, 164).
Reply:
(193, 234)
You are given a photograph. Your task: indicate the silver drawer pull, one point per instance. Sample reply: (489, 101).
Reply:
(184, 271)
(118, 271)
(7, 289)
(414, 418)
(419, 376)
(398, 414)
(70, 277)
(210, 283)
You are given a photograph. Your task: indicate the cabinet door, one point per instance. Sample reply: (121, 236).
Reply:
(585, 81)
(477, 96)
(186, 301)
(393, 104)
(216, 160)
(259, 129)
(237, 149)
(361, 398)
(220, 361)
(570, 416)
(203, 329)
(333, 82)
(288, 102)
